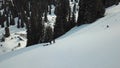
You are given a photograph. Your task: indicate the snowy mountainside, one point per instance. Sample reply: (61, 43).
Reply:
(93, 45)
(12, 42)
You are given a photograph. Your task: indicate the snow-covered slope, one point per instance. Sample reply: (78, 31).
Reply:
(12, 43)
(89, 46)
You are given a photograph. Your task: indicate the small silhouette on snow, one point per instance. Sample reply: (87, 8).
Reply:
(107, 26)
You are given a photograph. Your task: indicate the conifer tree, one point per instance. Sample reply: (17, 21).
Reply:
(109, 3)
(35, 28)
(62, 13)
(18, 23)
(0, 18)
(7, 32)
(89, 11)
(12, 22)
(22, 23)
(3, 18)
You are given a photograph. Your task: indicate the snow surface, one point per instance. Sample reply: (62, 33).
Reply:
(88, 46)
(11, 43)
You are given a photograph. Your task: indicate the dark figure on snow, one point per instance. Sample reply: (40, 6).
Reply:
(107, 26)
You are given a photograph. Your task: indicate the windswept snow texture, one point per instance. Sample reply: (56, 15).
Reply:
(89, 46)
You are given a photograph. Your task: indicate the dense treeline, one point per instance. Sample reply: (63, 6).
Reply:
(33, 14)
(108, 3)
(89, 11)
